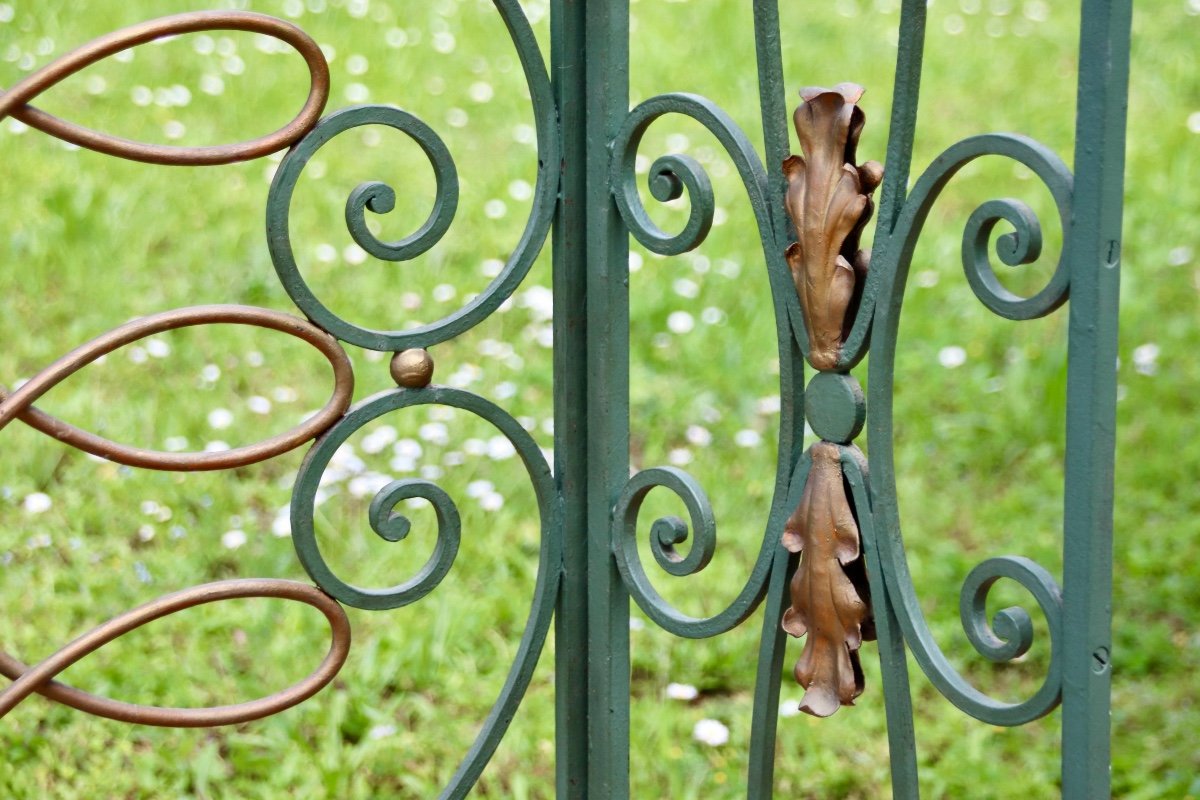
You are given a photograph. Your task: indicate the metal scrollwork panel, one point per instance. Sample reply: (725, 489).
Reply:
(324, 330)
(831, 564)
(392, 526)
(1092, 329)
(846, 523)
(670, 177)
(844, 555)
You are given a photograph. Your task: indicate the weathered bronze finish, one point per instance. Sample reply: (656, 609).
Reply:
(412, 369)
(828, 199)
(19, 404)
(39, 678)
(830, 602)
(14, 101)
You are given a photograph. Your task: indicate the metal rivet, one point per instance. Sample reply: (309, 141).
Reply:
(412, 369)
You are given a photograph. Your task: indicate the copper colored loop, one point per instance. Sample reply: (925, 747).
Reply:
(18, 404)
(28, 680)
(14, 101)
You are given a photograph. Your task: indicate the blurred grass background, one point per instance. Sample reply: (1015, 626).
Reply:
(90, 242)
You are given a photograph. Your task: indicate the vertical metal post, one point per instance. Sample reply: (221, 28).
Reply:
(1095, 247)
(606, 56)
(590, 63)
(570, 396)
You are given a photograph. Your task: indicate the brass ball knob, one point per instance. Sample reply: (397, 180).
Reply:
(412, 369)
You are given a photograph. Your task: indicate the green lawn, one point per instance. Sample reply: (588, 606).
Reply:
(90, 242)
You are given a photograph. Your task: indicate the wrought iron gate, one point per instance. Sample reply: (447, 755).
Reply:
(831, 566)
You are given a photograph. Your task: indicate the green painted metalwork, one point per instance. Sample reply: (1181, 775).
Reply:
(589, 565)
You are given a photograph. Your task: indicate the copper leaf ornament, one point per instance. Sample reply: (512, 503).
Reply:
(829, 600)
(828, 201)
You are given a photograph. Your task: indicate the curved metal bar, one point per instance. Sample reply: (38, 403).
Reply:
(773, 107)
(373, 195)
(897, 694)
(391, 527)
(992, 642)
(765, 194)
(19, 404)
(905, 95)
(39, 678)
(14, 101)
(666, 533)
(893, 252)
(380, 198)
(388, 524)
(670, 531)
(669, 176)
(764, 722)
(772, 645)
(672, 173)
(1011, 633)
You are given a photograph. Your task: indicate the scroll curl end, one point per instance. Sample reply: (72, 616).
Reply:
(831, 603)
(828, 200)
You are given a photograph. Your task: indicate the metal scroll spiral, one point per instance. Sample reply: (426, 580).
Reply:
(18, 405)
(385, 520)
(669, 177)
(1010, 633)
(379, 198)
(392, 526)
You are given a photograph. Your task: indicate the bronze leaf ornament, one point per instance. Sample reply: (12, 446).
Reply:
(830, 604)
(828, 200)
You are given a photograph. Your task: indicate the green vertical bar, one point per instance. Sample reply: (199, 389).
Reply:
(773, 107)
(1094, 243)
(760, 776)
(906, 93)
(893, 672)
(606, 57)
(590, 64)
(570, 397)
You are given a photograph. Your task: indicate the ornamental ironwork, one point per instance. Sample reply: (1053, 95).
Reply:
(831, 564)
